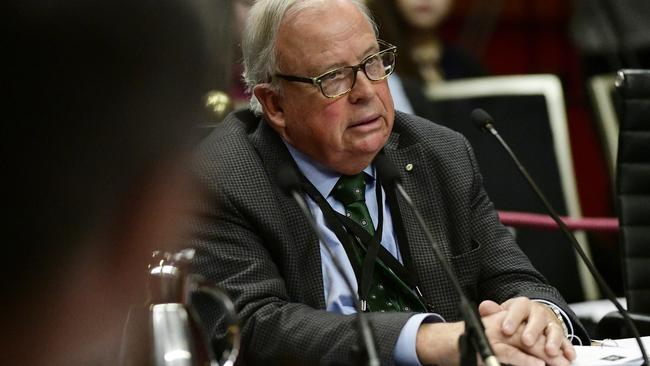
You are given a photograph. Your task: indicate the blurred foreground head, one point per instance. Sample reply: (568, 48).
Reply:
(101, 100)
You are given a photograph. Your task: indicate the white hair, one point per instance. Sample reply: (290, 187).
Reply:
(260, 34)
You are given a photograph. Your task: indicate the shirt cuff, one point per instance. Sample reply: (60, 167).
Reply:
(565, 318)
(405, 352)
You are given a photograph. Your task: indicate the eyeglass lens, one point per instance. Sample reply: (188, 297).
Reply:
(341, 80)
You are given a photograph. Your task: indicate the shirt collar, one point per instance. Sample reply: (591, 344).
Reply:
(322, 177)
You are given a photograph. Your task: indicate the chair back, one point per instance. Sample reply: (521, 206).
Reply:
(633, 185)
(530, 115)
(602, 93)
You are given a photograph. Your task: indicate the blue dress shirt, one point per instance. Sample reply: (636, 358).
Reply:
(337, 297)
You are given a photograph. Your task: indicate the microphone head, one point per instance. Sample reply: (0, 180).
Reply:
(481, 119)
(288, 179)
(386, 171)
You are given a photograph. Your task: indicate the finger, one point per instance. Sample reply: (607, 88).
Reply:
(537, 323)
(517, 312)
(506, 304)
(554, 339)
(538, 350)
(568, 350)
(488, 307)
(513, 356)
(558, 361)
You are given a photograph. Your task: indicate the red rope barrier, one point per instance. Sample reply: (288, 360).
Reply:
(545, 222)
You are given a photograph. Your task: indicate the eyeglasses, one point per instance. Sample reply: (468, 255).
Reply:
(339, 81)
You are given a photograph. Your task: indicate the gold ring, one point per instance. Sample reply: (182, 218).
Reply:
(549, 324)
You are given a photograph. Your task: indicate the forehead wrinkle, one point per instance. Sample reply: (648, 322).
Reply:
(312, 57)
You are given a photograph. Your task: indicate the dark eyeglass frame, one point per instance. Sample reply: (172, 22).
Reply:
(317, 80)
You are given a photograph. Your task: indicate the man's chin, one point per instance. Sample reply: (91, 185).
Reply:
(354, 162)
(371, 144)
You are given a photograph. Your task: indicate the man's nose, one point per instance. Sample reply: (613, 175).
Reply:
(363, 88)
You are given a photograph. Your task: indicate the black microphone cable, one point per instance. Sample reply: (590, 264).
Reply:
(484, 121)
(290, 183)
(474, 328)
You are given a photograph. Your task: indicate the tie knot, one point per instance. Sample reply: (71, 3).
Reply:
(350, 189)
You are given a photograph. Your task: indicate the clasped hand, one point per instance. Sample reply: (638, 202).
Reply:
(525, 332)
(520, 331)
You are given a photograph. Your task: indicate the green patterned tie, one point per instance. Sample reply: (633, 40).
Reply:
(351, 191)
(387, 292)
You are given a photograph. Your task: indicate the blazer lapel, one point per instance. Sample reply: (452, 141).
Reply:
(421, 183)
(300, 251)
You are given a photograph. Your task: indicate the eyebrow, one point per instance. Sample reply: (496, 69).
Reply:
(369, 51)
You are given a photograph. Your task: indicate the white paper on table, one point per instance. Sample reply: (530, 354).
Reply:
(612, 352)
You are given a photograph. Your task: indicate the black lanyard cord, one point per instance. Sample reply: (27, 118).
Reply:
(334, 221)
(345, 229)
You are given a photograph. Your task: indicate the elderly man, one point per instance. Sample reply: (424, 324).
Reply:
(318, 74)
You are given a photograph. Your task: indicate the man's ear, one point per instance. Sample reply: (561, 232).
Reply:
(271, 102)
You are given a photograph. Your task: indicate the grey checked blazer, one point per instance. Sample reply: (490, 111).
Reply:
(253, 241)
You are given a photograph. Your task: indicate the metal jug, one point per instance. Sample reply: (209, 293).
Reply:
(166, 332)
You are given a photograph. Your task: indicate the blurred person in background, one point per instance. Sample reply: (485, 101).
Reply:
(413, 26)
(425, 58)
(101, 98)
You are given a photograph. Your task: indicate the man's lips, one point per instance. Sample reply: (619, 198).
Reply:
(366, 121)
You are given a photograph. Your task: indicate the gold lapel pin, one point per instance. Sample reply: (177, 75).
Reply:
(408, 167)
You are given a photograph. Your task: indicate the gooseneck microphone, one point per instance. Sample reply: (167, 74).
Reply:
(291, 184)
(473, 326)
(484, 121)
